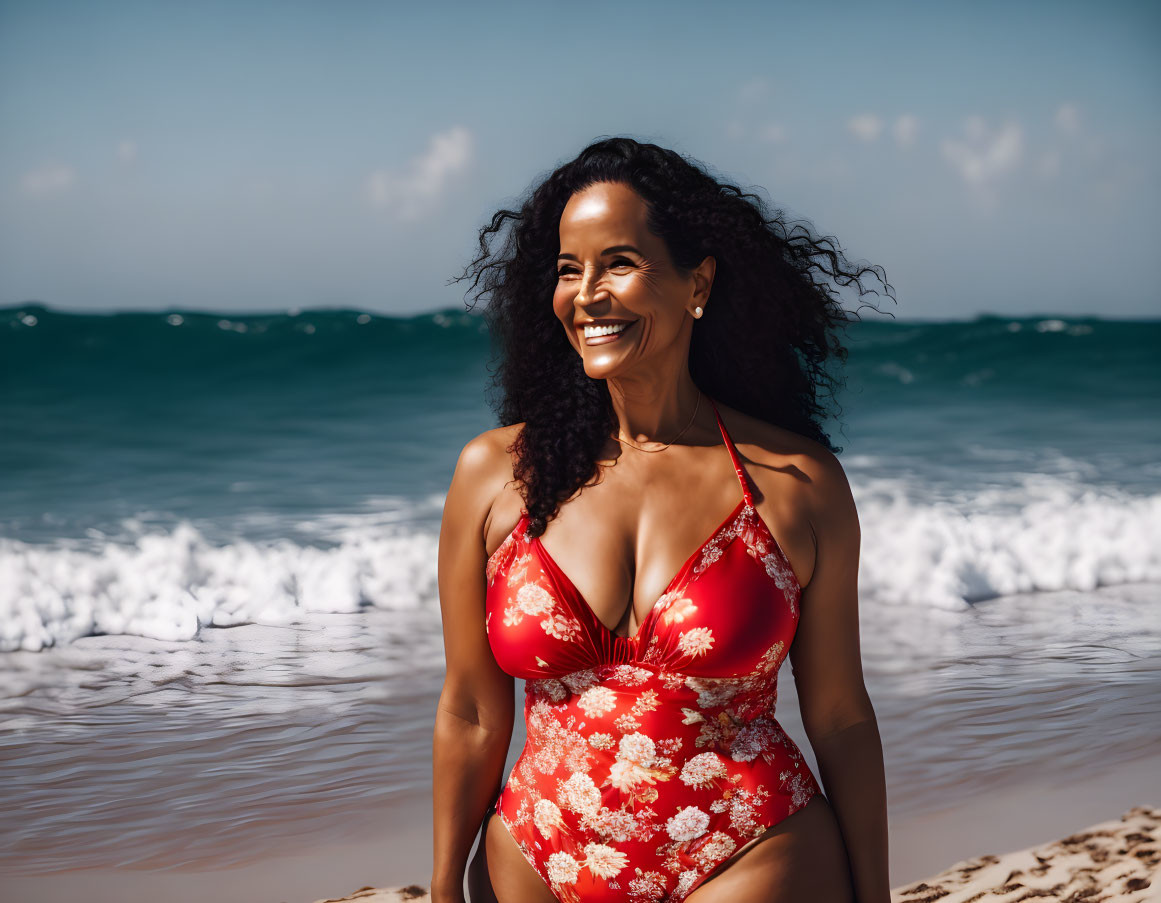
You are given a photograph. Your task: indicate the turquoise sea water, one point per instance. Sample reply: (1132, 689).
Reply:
(218, 541)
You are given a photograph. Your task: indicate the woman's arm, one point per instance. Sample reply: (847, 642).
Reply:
(828, 672)
(473, 723)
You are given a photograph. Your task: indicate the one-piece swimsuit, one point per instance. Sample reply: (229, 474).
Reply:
(650, 759)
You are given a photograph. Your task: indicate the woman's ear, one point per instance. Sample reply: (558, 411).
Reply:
(703, 280)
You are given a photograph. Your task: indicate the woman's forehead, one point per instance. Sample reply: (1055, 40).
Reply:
(604, 207)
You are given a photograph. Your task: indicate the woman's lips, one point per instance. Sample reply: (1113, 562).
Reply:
(606, 339)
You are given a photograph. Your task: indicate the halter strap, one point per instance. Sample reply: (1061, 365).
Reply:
(743, 477)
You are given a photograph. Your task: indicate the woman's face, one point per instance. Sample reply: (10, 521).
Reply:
(613, 270)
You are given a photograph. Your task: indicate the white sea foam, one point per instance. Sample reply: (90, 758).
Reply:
(168, 586)
(1045, 534)
(943, 553)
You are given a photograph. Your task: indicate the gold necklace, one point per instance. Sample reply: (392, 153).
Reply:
(674, 439)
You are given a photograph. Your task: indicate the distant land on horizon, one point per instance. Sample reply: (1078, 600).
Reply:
(887, 316)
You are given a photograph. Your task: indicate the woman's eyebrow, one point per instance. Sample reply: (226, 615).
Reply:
(613, 250)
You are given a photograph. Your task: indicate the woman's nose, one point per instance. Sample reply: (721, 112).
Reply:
(589, 289)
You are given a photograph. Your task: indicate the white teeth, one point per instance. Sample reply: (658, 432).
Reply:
(591, 331)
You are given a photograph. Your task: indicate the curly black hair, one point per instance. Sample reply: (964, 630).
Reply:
(763, 348)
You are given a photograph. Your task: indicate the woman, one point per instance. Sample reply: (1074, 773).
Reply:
(663, 344)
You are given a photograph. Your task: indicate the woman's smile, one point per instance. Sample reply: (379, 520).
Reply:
(603, 335)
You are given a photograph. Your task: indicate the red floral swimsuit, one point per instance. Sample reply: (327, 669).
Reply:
(650, 759)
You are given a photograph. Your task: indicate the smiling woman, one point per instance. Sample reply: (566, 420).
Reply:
(642, 307)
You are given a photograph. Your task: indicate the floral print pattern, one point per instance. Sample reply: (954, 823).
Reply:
(651, 759)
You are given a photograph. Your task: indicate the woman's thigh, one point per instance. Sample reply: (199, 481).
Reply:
(802, 859)
(513, 878)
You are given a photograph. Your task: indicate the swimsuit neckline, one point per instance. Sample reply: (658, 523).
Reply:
(745, 504)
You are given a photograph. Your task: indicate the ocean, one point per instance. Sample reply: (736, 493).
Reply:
(219, 623)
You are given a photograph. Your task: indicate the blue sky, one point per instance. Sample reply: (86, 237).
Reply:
(998, 157)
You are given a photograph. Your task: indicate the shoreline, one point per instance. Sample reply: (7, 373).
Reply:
(395, 850)
(1121, 856)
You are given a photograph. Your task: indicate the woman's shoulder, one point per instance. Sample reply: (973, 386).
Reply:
(815, 469)
(485, 470)
(489, 453)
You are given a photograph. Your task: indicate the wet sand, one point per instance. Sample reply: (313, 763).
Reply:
(957, 844)
(1116, 859)
(267, 765)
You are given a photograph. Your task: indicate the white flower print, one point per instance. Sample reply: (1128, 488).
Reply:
(613, 824)
(630, 675)
(770, 662)
(580, 794)
(599, 740)
(715, 850)
(647, 887)
(497, 558)
(529, 599)
(760, 737)
(551, 744)
(713, 692)
(686, 880)
(626, 723)
(798, 786)
(512, 616)
(625, 775)
(747, 744)
(646, 702)
(775, 569)
(679, 608)
(703, 770)
(546, 816)
(671, 680)
(744, 811)
(579, 681)
(562, 868)
(597, 701)
(533, 599)
(688, 824)
(713, 551)
(668, 746)
(637, 764)
(547, 686)
(695, 642)
(562, 627)
(637, 748)
(604, 861)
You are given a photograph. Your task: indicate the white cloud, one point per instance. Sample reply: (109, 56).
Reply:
(48, 179)
(127, 151)
(865, 126)
(772, 133)
(427, 177)
(1068, 118)
(906, 129)
(984, 156)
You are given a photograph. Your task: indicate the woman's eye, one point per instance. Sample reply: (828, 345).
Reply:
(616, 264)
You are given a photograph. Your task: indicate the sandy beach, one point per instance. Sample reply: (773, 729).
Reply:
(1085, 833)
(1117, 859)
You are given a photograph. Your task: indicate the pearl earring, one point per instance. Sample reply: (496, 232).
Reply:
(697, 311)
